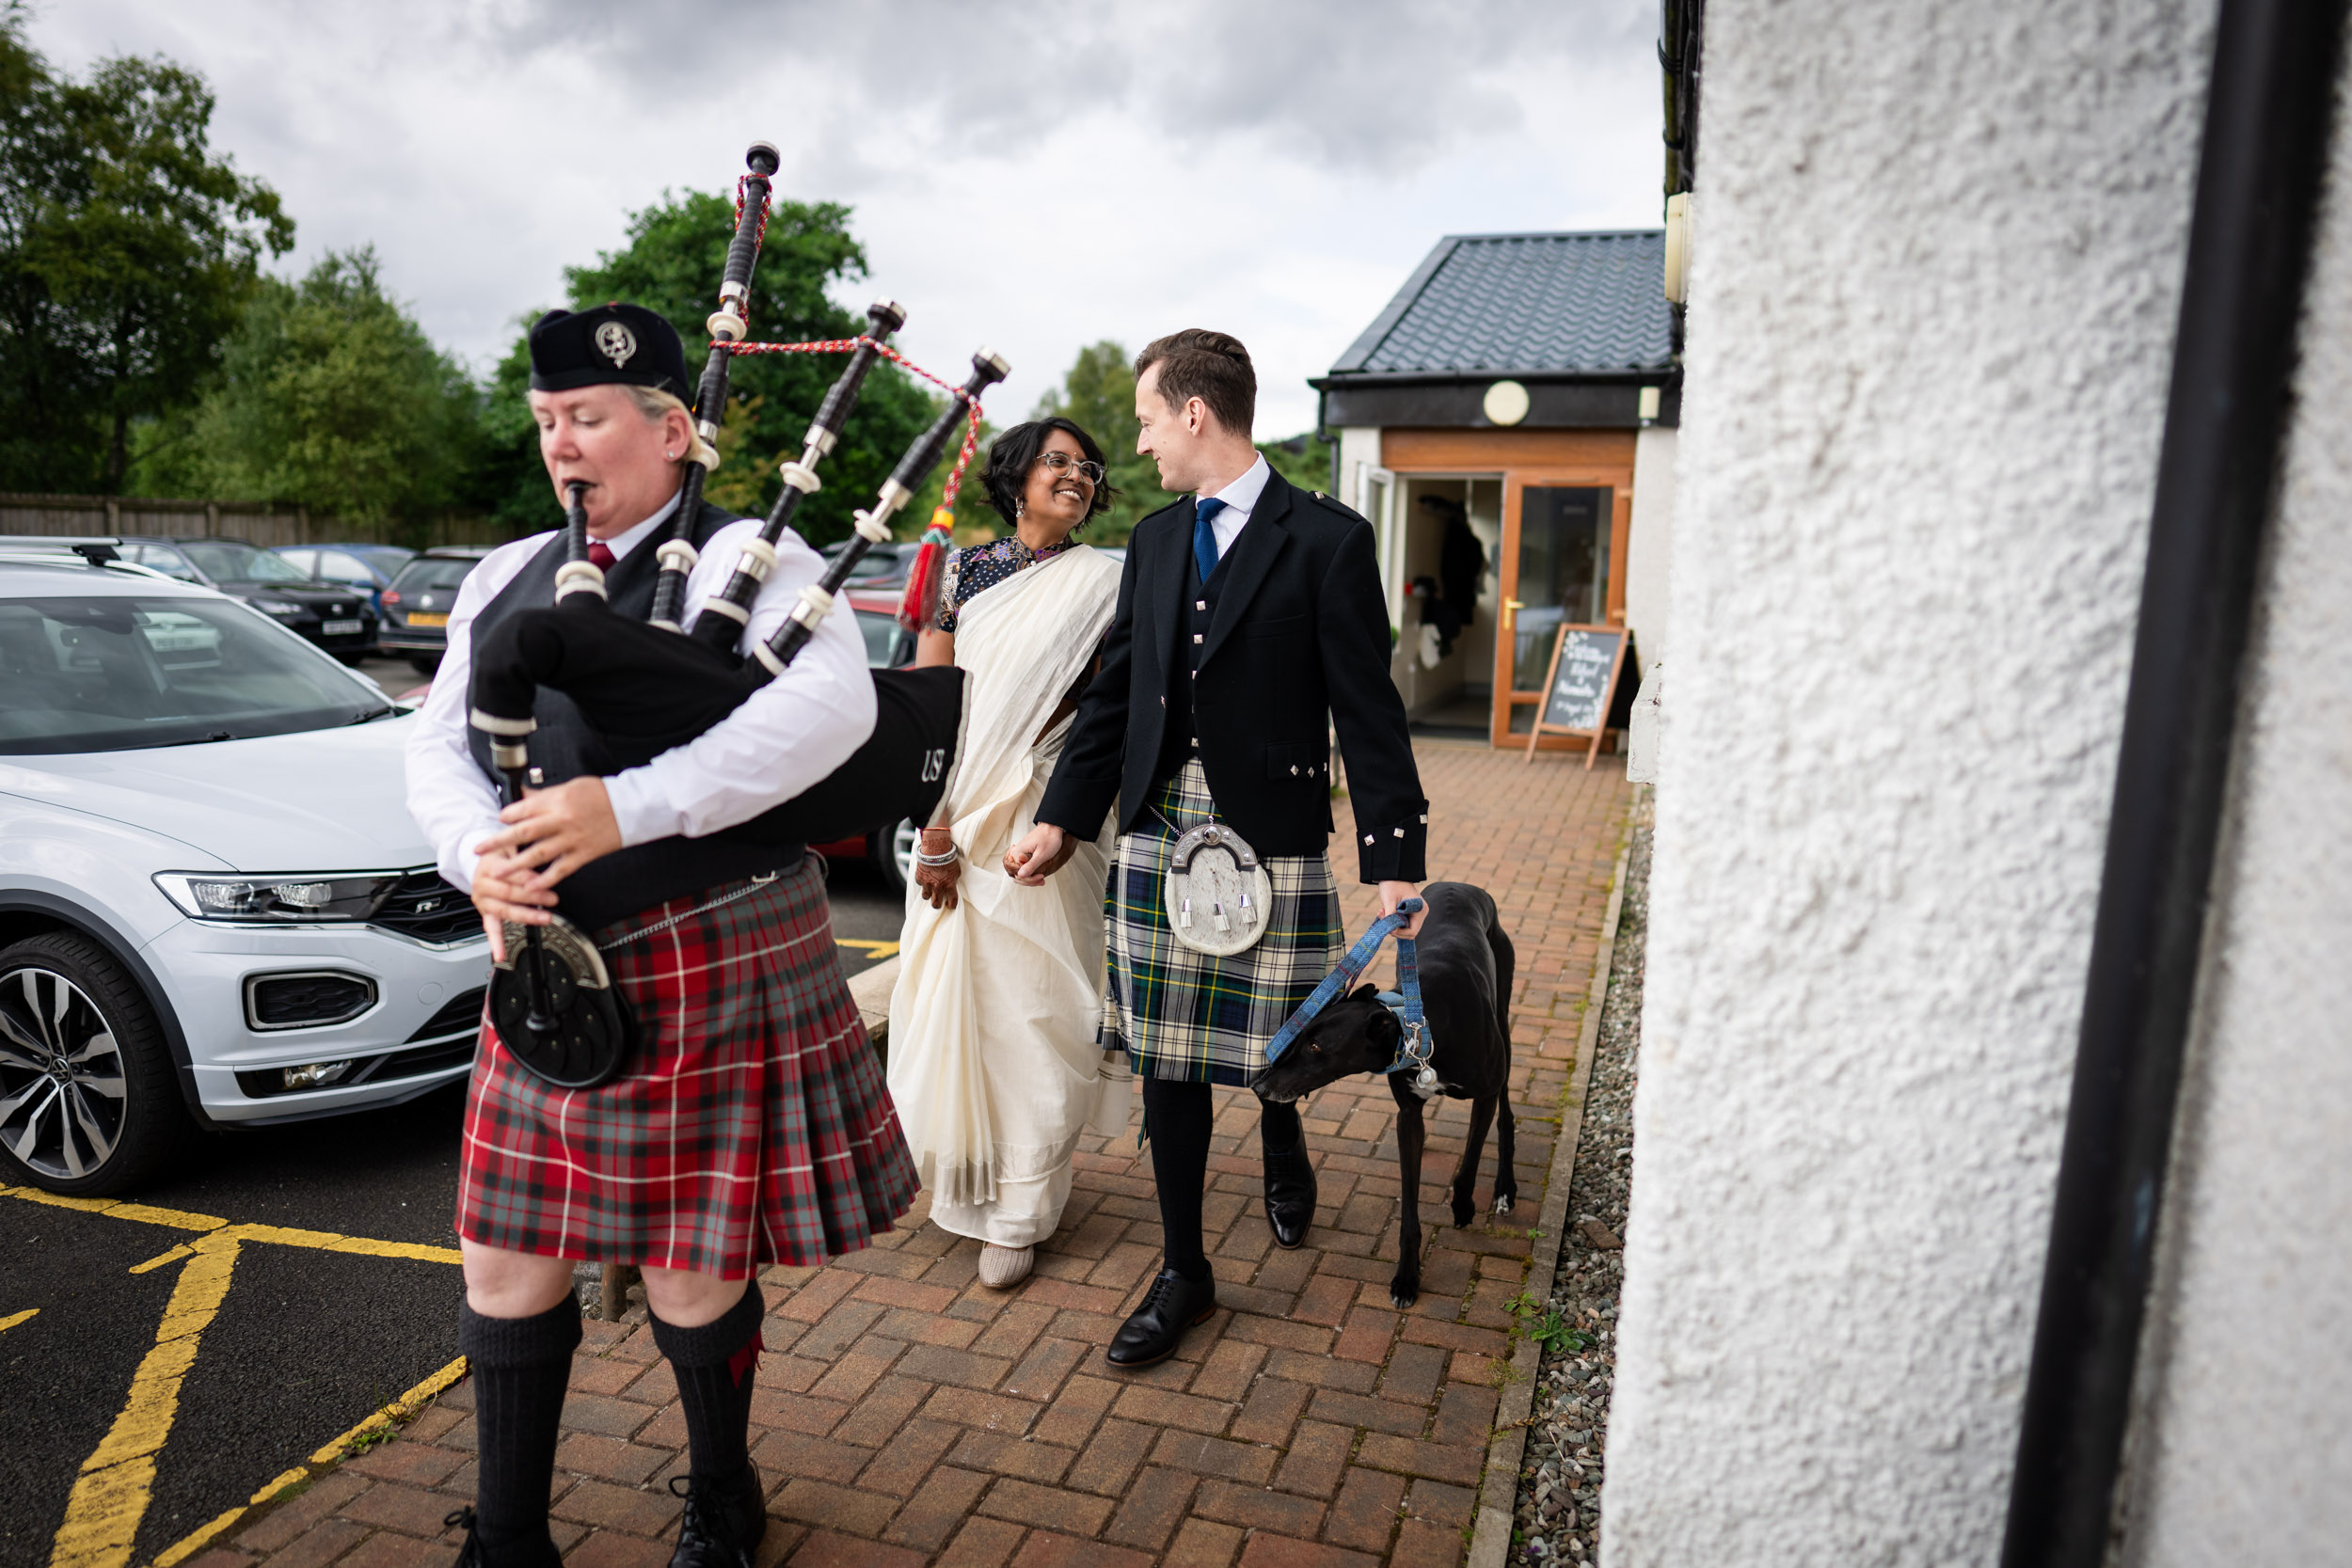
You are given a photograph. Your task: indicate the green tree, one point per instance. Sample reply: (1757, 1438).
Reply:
(332, 397)
(671, 262)
(127, 254)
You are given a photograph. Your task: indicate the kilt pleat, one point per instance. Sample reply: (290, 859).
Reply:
(1192, 1016)
(751, 1126)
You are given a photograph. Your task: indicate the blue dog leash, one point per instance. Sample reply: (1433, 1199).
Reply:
(1414, 1047)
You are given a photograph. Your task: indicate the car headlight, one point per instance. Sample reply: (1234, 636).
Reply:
(278, 899)
(277, 606)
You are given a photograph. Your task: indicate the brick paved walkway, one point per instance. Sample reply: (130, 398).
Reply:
(906, 1415)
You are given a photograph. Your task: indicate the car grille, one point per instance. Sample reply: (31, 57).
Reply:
(422, 904)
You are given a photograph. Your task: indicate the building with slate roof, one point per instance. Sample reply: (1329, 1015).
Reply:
(1508, 424)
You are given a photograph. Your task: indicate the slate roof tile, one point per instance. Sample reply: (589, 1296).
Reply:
(1525, 304)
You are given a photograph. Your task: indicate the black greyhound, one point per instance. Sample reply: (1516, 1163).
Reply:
(1465, 964)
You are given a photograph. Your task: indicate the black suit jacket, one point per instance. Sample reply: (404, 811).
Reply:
(1300, 643)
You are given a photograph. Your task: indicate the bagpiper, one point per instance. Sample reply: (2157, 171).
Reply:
(749, 1123)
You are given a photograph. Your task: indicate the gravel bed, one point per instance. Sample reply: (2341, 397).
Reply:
(1557, 1517)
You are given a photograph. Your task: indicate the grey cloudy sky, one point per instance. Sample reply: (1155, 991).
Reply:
(1034, 177)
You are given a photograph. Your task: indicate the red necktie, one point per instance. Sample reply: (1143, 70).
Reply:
(599, 555)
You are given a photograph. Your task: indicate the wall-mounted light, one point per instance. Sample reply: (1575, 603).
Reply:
(1648, 407)
(1505, 403)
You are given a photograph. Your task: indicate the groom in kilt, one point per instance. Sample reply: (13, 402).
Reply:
(1251, 623)
(749, 1124)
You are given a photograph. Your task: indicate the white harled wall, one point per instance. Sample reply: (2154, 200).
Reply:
(2246, 1432)
(1933, 303)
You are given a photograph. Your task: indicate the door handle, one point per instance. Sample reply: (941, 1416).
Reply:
(1510, 613)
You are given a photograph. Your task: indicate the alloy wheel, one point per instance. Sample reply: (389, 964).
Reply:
(62, 1089)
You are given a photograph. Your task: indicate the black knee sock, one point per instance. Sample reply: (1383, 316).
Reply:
(1178, 1117)
(519, 1368)
(1278, 1128)
(714, 1364)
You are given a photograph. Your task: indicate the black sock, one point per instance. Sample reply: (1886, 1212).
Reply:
(714, 1364)
(519, 1367)
(1278, 1128)
(1178, 1117)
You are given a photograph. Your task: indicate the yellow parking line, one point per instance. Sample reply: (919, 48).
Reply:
(15, 1318)
(111, 1496)
(873, 947)
(118, 1481)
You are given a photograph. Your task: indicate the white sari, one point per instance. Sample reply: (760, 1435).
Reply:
(993, 1060)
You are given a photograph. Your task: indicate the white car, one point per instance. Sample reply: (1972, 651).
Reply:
(214, 908)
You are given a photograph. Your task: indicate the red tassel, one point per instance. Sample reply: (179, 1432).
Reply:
(918, 610)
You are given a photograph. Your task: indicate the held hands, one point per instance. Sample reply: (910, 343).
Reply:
(549, 833)
(1393, 894)
(1044, 850)
(937, 883)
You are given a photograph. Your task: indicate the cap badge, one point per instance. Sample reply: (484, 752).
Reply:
(616, 342)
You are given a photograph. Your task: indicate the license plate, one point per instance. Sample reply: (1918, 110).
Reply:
(416, 618)
(342, 629)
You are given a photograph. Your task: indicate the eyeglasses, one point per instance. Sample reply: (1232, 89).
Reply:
(1062, 463)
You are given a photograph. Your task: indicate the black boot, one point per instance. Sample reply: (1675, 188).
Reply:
(1158, 1325)
(530, 1552)
(724, 1523)
(1289, 1175)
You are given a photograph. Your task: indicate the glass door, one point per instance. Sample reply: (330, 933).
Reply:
(1556, 571)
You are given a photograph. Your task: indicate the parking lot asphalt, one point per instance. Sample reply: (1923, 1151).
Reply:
(311, 1330)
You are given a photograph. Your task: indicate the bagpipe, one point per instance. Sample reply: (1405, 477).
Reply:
(646, 687)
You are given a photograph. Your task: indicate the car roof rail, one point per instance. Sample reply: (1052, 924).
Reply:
(98, 550)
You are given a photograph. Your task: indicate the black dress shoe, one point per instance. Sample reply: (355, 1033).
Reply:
(1289, 1195)
(724, 1522)
(1158, 1325)
(537, 1552)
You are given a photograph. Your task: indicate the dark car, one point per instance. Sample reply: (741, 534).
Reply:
(889, 850)
(363, 568)
(338, 619)
(417, 605)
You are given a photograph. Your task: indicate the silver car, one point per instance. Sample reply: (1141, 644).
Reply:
(215, 909)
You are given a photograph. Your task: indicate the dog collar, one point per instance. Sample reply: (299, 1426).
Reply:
(1413, 1050)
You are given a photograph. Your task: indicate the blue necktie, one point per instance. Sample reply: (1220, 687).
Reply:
(1204, 536)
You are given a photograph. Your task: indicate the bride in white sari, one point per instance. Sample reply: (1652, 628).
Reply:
(993, 1060)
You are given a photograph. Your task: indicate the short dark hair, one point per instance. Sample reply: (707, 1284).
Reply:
(1210, 366)
(1014, 453)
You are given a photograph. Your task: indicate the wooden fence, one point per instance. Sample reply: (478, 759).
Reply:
(264, 525)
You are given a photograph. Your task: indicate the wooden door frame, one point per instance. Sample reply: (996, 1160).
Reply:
(1618, 482)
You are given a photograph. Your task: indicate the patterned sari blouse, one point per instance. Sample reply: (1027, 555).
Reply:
(983, 566)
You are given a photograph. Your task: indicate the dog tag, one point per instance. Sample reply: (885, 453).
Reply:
(1425, 1081)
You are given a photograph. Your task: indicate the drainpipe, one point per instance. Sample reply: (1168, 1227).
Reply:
(1322, 397)
(2258, 187)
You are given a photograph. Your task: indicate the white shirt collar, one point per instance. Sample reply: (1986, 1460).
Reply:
(621, 544)
(1242, 494)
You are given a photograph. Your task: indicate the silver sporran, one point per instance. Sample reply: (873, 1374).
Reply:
(1219, 895)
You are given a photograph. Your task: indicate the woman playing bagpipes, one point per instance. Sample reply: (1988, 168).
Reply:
(995, 1063)
(749, 1124)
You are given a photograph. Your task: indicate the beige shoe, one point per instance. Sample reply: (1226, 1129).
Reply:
(1003, 1267)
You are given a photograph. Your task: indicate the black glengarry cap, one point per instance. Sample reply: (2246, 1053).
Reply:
(626, 344)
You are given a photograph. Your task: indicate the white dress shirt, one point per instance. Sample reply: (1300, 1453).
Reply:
(790, 734)
(1240, 499)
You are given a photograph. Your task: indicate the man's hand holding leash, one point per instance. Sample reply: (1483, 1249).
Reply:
(1393, 894)
(549, 833)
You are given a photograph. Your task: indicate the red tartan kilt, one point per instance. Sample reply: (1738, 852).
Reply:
(751, 1124)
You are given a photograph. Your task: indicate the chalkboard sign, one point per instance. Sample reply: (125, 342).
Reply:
(1581, 685)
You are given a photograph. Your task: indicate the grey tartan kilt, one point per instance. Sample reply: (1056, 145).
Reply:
(1190, 1016)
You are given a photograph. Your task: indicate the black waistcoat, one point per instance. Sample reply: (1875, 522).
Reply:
(618, 885)
(1178, 741)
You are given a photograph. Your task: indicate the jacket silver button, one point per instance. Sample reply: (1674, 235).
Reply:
(1294, 769)
(1196, 637)
(1200, 603)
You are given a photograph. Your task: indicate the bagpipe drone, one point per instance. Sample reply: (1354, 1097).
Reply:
(646, 687)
